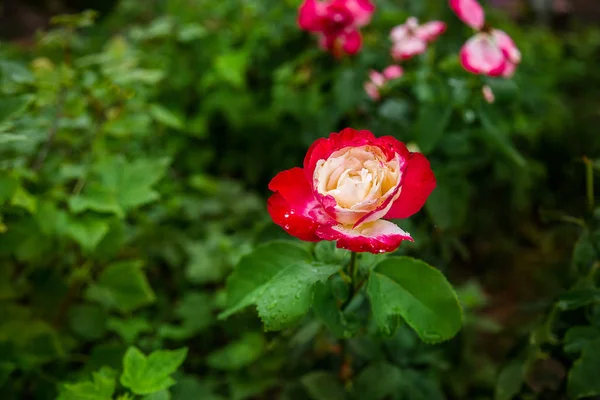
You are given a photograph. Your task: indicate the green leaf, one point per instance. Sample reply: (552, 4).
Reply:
(96, 198)
(509, 381)
(88, 321)
(128, 328)
(583, 378)
(22, 198)
(327, 310)
(123, 286)
(231, 67)
(323, 386)
(166, 117)
(280, 279)
(432, 121)
(327, 252)
(8, 187)
(148, 374)
(88, 231)
(102, 387)
(378, 381)
(131, 182)
(238, 354)
(411, 289)
(578, 337)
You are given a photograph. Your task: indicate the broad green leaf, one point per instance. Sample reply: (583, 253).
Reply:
(578, 337)
(129, 328)
(148, 374)
(131, 183)
(509, 382)
(87, 230)
(231, 67)
(378, 381)
(102, 387)
(583, 378)
(96, 198)
(88, 321)
(122, 285)
(191, 387)
(323, 386)
(432, 121)
(280, 279)
(420, 294)
(327, 310)
(238, 354)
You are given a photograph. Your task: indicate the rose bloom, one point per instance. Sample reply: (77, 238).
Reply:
(336, 22)
(411, 39)
(490, 52)
(349, 183)
(378, 79)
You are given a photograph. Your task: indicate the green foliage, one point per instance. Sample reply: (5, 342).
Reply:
(136, 147)
(149, 374)
(280, 279)
(411, 289)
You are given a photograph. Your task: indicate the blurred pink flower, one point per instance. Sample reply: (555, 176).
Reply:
(336, 22)
(378, 79)
(488, 94)
(490, 52)
(411, 39)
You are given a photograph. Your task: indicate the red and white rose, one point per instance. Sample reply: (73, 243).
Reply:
(349, 184)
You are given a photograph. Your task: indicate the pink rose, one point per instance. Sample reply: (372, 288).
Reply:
(350, 182)
(411, 39)
(336, 22)
(490, 52)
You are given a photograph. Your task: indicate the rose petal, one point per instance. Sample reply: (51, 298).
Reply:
(322, 148)
(374, 237)
(469, 11)
(399, 33)
(507, 45)
(408, 48)
(377, 78)
(481, 55)
(509, 70)
(488, 94)
(372, 91)
(309, 15)
(393, 72)
(430, 30)
(417, 184)
(361, 9)
(351, 41)
(294, 207)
